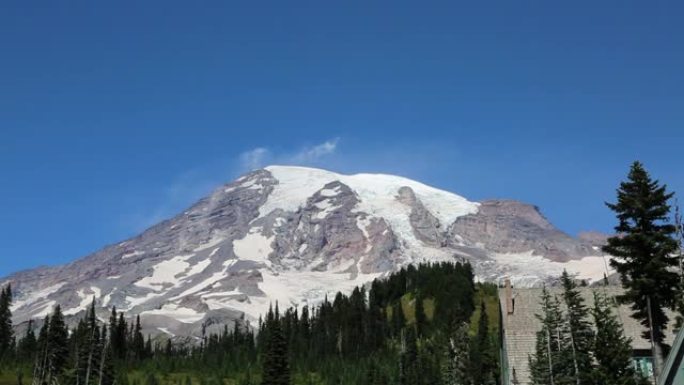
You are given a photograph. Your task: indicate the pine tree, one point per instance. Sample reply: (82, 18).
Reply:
(40, 363)
(147, 353)
(138, 343)
(456, 358)
(121, 338)
(106, 370)
(409, 371)
(368, 352)
(114, 338)
(547, 364)
(276, 369)
(88, 340)
(483, 355)
(578, 328)
(55, 351)
(644, 252)
(27, 347)
(6, 330)
(612, 350)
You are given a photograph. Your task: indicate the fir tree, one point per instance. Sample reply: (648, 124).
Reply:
(276, 369)
(40, 363)
(368, 351)
(409, 371)
(612, 350)
(27, 347)
(121, 339)
(546, 364)
(645, 253)
(106, 370)
(483, 355)
(56, 348)
(6, 330)
(88, 341)
(148, 347)
(138, 341)
(578, 328)
(114, 338)
(456, 357)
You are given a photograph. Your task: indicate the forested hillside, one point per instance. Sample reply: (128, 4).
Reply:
(425, 324)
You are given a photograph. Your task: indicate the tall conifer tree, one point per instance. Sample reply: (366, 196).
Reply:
(456, 363)
(645, 253)
(6, 330)
(57, 348)
(577, 355)
(28, 346)
(276, 369)
(138, 341)
(612, 350)
(483, 354)
(547, 366)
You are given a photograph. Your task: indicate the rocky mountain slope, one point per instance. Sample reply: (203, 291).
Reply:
(293, 235)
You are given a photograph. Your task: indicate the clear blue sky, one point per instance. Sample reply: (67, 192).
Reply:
(115, 115)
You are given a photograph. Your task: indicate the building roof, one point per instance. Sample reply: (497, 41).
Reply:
(520, 328)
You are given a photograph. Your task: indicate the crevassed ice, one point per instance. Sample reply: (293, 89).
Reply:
(296, 184)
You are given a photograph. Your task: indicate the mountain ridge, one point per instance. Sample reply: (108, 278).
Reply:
(295, 234)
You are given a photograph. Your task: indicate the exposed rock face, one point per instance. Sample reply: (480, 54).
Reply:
(593, 238)
(294, 235)
(505, 226)
(425, 226)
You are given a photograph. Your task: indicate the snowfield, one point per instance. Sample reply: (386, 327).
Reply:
(590, 268)
(377, 193)
(286, 235)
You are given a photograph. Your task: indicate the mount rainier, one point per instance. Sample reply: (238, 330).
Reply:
(295, 235)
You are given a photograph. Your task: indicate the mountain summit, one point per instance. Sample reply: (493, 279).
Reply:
(295, 235)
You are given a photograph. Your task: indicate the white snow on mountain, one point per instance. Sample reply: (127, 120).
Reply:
(253, 247)
(377, 193)
(292, 236)
(166, 273)
(36, 296)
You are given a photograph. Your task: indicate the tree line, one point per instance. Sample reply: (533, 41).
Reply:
(647, 251)
(412, 327)
(581, 345)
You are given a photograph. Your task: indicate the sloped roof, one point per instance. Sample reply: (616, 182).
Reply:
(521, 327)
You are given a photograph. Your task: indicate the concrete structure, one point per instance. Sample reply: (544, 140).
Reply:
(520, 326)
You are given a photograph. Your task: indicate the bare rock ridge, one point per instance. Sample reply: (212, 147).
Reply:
(506, 226)
(294, 235)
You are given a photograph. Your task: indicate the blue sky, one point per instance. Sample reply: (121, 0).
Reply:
(113, 116)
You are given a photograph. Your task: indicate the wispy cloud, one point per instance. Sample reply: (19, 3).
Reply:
(193, 184)
(255, 158)
(305, 156)
(313, 154)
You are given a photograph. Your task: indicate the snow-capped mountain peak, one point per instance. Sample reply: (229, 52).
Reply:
(294, 235)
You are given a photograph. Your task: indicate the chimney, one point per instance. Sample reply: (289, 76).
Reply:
(508, 289)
